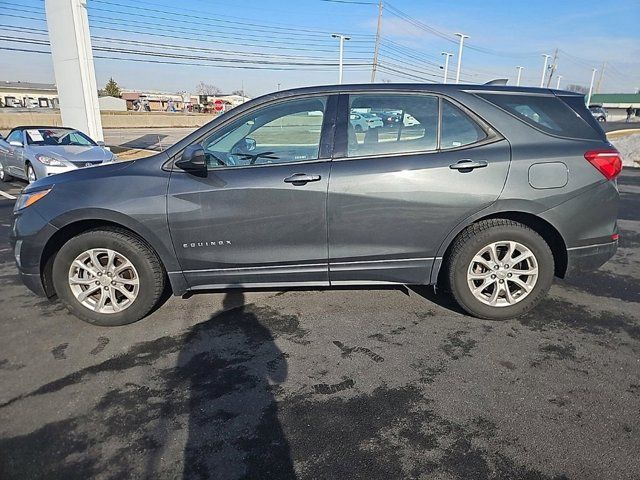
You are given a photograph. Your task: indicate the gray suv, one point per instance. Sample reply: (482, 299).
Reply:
(487, 191)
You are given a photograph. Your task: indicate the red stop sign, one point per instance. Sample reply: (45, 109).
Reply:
(218, 105)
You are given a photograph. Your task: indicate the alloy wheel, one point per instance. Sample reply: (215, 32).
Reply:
(502, 273)
(104, 280)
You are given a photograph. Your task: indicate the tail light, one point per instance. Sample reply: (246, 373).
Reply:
(608, 162)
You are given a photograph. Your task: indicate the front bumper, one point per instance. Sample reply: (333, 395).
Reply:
(590, 257)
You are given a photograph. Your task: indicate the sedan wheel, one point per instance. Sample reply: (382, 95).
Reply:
(4, 176)
(31, 174)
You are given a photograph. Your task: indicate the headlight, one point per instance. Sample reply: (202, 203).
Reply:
(52, 162)
(27, 199)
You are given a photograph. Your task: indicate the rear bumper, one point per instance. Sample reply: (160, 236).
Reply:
(590, 257)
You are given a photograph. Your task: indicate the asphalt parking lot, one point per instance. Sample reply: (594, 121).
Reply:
(382, 384)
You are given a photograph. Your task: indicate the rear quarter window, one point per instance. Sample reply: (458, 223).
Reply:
(544, 112)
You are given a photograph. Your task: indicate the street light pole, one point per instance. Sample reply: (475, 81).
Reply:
(447, 56)
(462, 37)
(558, 83)
(342, 39)
(593, 77)
(544, 68)
(519, 75)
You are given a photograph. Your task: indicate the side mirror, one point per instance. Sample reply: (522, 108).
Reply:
(15, 143)
(100, 143)
(193, 161)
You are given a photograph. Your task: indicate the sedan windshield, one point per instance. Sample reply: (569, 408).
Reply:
(57, 137)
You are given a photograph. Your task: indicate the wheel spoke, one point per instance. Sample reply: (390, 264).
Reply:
(531, 271)
(125, 292)
(121, 268)
(479, 276)
(526, 287)
(128, 281)
(89, 291)
(81, 281)
(102, 301)
(483, 261)
(494, 295)
(488, 281)
(111, 255)
(114, 301)
(521, 257)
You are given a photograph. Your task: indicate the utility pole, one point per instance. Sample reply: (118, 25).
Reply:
(604, 65)
(374, 65)
(342, 39)
(519, 75)
(447, 56)
(558, 84)
(462, 37)
(554, 65)
(593, 77)
(544, 68)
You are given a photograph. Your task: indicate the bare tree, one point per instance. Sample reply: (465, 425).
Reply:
(207, 89)
(238, 92)
(577, 88)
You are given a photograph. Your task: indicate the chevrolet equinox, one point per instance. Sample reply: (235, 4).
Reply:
(489, 191)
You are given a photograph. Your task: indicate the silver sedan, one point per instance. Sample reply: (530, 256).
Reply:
(36, 152)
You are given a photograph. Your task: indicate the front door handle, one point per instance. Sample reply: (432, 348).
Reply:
(302, 178)
(467, 165)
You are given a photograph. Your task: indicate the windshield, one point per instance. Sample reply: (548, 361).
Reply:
(57, 137)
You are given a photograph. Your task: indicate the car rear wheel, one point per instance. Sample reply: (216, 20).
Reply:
(4, 176)
(108, 277)
(499, 269)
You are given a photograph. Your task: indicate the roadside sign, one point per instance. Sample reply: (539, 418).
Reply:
(218, 105)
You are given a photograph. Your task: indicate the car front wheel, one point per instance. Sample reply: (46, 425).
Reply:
(108, 277)
(499, 269)
(4, 176)
(31, 173)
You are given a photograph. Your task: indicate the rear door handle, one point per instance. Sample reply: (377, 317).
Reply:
(468, 164)
(302, 178)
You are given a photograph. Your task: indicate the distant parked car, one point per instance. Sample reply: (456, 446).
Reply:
(362, 122)
(31, 153)
(598, 112)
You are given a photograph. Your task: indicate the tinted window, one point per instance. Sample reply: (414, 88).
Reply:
(457, 128)
(546, 112)
(286, 132)
(390, 123)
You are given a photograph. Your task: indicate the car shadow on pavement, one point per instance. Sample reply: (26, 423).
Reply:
(228, 369)
(150, 141)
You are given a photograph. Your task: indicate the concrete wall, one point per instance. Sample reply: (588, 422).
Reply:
(8, 120)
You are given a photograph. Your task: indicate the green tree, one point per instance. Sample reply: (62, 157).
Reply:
(112, 89)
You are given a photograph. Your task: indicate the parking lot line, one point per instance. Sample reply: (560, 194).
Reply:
(6, 195)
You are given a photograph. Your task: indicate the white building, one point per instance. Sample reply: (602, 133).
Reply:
(28, 95)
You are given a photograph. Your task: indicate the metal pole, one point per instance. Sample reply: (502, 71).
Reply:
(447, 56)
(593, 77)
(374, 65)
(462, 37)
(342, 39)
(558, 83)
(519, 75)
(544, 68)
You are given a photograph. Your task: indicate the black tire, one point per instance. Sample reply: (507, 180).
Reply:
(148, 266)
(4, 176)
(471, 241)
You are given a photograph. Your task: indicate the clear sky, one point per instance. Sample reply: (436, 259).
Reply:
(282, 42)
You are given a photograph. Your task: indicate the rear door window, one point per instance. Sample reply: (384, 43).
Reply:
(458, 129)
(545, 112)
(383, 124)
